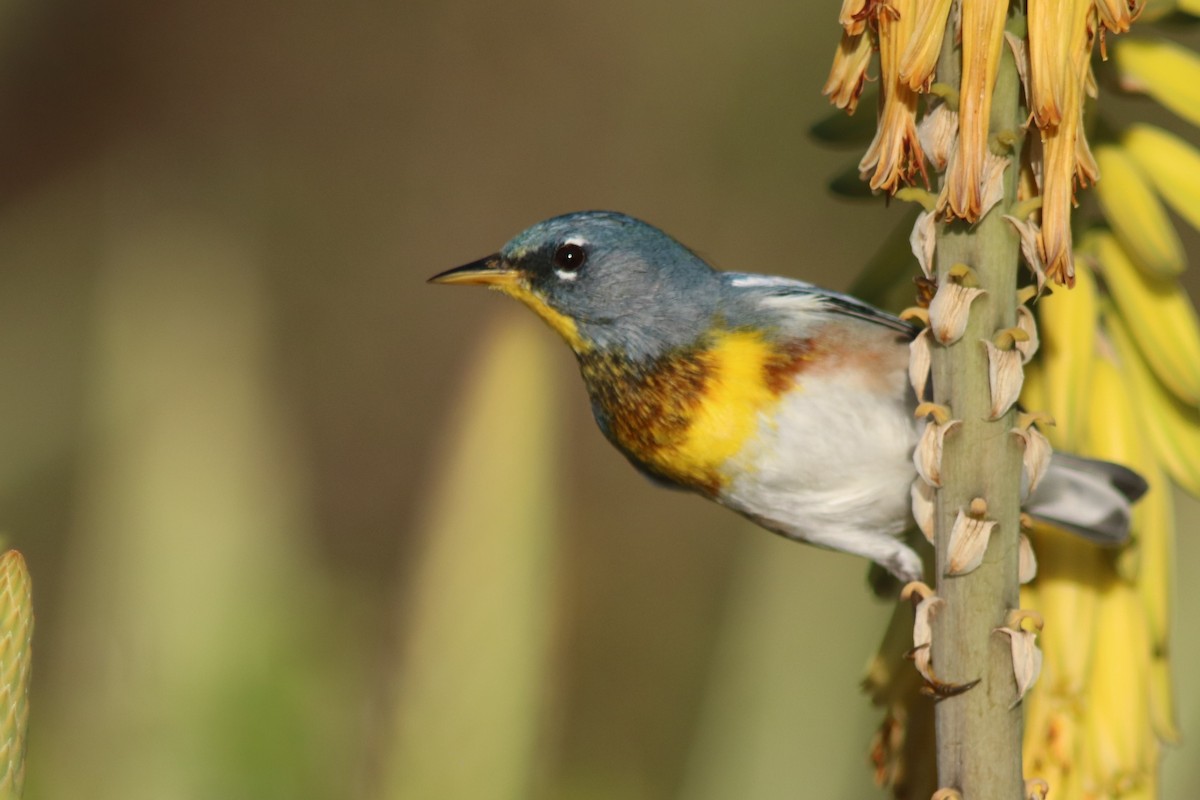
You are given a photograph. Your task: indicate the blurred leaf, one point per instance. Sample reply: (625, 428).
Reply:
(187, 589)
(784, 688)
(473, 675)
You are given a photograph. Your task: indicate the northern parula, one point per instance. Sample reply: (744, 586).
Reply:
(785, 402)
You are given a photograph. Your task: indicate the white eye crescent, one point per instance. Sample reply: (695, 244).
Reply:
(569, 258)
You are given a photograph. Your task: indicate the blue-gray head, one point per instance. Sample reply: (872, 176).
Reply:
(604, 280)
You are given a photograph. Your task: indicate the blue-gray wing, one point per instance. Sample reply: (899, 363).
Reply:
(778, 291)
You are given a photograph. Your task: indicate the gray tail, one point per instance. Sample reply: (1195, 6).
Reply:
(1088, 497)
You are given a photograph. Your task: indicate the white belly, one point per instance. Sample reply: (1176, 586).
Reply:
(832, 461)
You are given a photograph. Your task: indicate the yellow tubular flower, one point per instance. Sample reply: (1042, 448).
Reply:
(1058, 197)
(1136, 215)
(853, 16)
(1058, 85)
(1118, 749)
(982, 38)
(1119, 753)
(1047, 58)
(1104, 705)
(1171, 164)
(1097, 720)
(920, 58)
(1067, 593)
(1070, 574)
(1155, 583)
(845, 83)
(1067, 324)
(1168, 72)
(1160, 317)
(1154, 517)
(1172, 426)
(895, 155)
(1117, 15)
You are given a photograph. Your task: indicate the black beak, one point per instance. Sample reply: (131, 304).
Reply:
(489, 271)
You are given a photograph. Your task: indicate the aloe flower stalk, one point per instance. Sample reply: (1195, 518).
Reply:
(1118, 369)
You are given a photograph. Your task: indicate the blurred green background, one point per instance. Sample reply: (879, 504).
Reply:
(301, 526)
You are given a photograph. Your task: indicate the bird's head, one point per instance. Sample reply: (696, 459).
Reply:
(604, 281)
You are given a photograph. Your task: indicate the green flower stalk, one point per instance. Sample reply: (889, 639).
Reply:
(1119, 362)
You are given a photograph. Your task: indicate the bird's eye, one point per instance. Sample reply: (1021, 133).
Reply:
(570, 257)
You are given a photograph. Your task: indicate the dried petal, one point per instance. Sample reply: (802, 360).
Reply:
(1021, 56)
(1031, 235)
(923, 241)
(938, 132)
(919, 361)
(991, 186)
(968, 542)
(1028, 323)
(1027, 659)
(927, 457)
(1035, 456)
(1026, 560)
(846, 78)
(982, 36)
(923, 635)
(923, 496)
(949, 309)
(1005, 377)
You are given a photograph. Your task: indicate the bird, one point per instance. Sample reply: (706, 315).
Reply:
(782, 401)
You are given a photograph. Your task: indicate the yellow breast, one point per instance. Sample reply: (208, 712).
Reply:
(684, 416)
